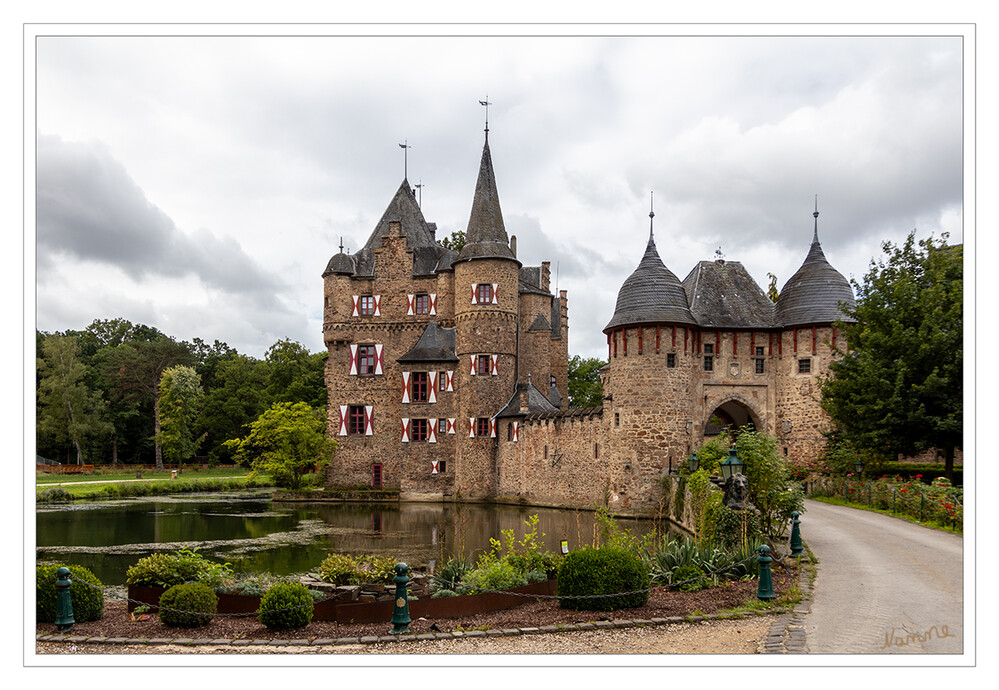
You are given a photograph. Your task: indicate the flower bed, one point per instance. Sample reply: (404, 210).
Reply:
(341, 611)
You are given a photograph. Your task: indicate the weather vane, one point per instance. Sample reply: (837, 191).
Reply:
(405, 159)
(486, 104)
(419, 189)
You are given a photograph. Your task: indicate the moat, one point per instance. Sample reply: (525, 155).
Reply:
(256, 534)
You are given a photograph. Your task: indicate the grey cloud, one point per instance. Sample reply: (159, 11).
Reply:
(89, 208)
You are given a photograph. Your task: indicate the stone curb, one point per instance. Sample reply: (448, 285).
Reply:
(787, 633)
(783, 616)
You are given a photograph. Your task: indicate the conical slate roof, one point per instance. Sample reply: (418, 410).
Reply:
(814, 292)
(340, 264)
(652, 294)
(485, 236)
(722, 294)
(435, 345)
(403, 208)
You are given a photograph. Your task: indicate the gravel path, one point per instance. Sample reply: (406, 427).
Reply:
(745, 636)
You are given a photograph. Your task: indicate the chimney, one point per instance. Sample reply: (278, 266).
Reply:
(546, 275)
(524, 405)
(513, 245)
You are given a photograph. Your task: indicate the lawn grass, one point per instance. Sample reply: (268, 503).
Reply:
(185, 483)
(150, 475)
(957, 528)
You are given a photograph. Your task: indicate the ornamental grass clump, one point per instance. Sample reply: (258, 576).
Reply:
(85, 593)
(603, 579)
(286, 605)
(188, 606)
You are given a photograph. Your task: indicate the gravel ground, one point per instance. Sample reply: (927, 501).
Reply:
(707, 637)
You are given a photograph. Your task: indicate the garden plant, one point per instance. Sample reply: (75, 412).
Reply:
(86, 594)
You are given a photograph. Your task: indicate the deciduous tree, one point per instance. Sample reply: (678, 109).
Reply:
(287, 441)
(585, 387)
(898, 387)
(181, 399)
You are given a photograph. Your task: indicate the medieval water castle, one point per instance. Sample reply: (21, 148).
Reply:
(447, 371)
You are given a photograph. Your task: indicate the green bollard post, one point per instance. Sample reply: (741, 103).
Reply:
(64, 620)
(796, 546)
(765, 591)
(400, 613)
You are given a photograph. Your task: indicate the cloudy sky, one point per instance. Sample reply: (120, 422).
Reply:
(200, 184)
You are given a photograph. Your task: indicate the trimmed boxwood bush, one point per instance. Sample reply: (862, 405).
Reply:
(609, 570)
(88, 603)
(188, 606)
(286, 605)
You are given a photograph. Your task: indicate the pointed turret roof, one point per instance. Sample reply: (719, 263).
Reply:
(403, 208)
(485, 236)
(813, 294)
(651, 294)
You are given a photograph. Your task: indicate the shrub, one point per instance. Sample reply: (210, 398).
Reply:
(376, 569)
(188, 606)
(610, 570)
(88, 602)
(340, 569)
(54, 494)
(688, 578)
(494, 576)
(441, 593)
(166, 570)
(286, 605)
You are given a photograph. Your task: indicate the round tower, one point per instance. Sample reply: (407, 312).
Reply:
(809, 305)
(486, 274)
(647, 384)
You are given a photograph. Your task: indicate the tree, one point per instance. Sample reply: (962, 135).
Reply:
(135, 368)
(456, 241)
(898, 389)
(295, 375)
(235, 400)
(287, 441)
(67, 411)
(772, 292)
(181, 398)
(585, 387)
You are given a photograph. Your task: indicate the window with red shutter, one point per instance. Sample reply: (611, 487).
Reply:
(484, 293)
(420, 386)
(366, 360)
(482, 365)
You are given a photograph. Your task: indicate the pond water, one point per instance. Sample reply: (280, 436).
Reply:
(256, 534)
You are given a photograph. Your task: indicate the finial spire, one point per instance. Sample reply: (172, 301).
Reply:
(341, 244)
(419, 188)
(815, 234)
(652, 213)
(405, 159)
(486, 104)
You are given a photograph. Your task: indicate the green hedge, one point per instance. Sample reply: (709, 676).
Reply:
(605, 571)
(88, 603)
(188, 606)
(286, 605)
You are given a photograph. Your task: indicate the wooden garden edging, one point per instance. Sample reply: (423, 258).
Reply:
(331, 610)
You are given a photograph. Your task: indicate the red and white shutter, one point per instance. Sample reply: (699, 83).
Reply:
(433, 303)
(474, 299)
(409, 309)
(379, 359)
(353, 359)
(355, 298)
(471, 365)
(343, 420)
(432, 433)
(471, 427)
(451, 424)
(432, 396)
(369, 420)
(433, 466)
(494, 368)
(492, 428)
(450, 381)
(378, 305)
(495, 293)
(516, 430)
(405, 430)
(405, 387)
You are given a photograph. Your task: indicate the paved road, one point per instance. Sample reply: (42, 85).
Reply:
(883, 585)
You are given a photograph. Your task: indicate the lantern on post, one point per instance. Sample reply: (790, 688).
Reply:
(693, 462)
(858, 467)
(732, 465)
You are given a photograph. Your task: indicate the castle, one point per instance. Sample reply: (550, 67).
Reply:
(447, 371)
